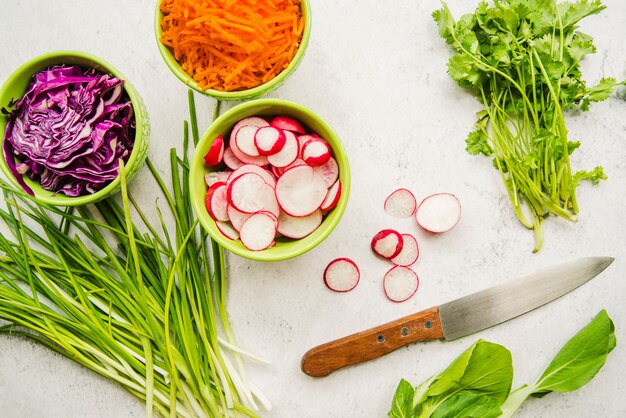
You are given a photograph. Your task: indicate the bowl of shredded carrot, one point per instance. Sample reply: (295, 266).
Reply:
(232, 49)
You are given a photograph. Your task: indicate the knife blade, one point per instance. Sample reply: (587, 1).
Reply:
(458, 318)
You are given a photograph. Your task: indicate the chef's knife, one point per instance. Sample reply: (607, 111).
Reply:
(455, 319)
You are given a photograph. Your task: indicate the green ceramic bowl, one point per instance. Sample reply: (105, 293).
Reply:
(178, 71)
(284, 248)
(15, 87)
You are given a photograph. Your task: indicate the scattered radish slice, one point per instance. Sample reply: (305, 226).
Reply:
(213, 177)
(269, 140)
(249, 193)
(400, 204)
(287, 154)
(299, 191)
(332, 197)
(316, 152)
(258, 231)
(252, 168)
(387, 243)
(341, 275)
(329, 172)
(231, 160)
(216, 152)
(287, 123)
(226, 228)
(216, 202)
(400, 283)
(298, 227)
(439, 212)
(410, 251)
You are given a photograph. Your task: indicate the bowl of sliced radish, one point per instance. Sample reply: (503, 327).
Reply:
(269, 180)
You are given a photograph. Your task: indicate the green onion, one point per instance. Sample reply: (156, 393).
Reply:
(143, 305)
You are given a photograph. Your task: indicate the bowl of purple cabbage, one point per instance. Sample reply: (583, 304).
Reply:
(67, 122)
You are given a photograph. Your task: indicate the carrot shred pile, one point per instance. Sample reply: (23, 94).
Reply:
(231, 45)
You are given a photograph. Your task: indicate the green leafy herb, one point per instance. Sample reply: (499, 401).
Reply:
(521, 58)
(142, 307)
(478, 383)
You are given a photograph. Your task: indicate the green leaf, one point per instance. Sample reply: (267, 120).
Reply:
(580, 359)
(402, 406)
(580, 45)
(463, 68)
(593, 176)
(602, 90)
(478, 143)
(468, 405)
(445, 22)
(573, 12)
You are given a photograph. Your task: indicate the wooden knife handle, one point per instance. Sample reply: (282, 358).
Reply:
(372, 343)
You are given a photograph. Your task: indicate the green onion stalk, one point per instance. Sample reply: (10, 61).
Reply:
(141, 304)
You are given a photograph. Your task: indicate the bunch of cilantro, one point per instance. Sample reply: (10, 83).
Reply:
(521, 58)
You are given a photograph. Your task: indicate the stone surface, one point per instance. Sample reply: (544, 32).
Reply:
(376, 72)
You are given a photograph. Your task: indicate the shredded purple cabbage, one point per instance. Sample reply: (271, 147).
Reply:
(69, 131)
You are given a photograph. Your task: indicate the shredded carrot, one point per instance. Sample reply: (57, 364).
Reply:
(231, 45)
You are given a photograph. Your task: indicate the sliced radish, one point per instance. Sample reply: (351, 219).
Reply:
(276, 171)
(341, 275)
(251, 168)
(295, 163)
(316, 152)
(287, 123)
(236, 217)
(216, 152)
(216, 202)
(213, 177)
(387, 243)
(332, 197)
(269, 140)
(231, 160)
(299, 191)
(258, 231)
(244, 138)
(329, 172)
(249, 193)
(400, 204)
(287, 154)
(226, 228)
(251, 121)
(298, 227)
(439, 212)
(400, 283)
(410, 251)
(242, 156)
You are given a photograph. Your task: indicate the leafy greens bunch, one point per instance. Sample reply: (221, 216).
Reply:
(478, 383)
(145, 309)
(521, 58)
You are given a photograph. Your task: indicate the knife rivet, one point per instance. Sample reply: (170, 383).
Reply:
(428, 324)
(380, 338)
(404, 331)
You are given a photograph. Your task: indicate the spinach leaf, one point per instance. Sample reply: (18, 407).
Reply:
(402, 406)
(468, 405)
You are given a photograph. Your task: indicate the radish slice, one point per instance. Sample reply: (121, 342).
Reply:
(298, 227)
(299, 191)
(316, 152)
(439, 212)
(242, 156)
(236, 217)
(226, 228)
(387, 243)
(244, 138)
(251, 121)
(216, 152)
(216, 202)
(287, 123)
(329, 172)
(400, 204)
(287, 154)
(332, 197)
(249, 193)
(213, 177)
(231, 160)
(269, 140)
(258, 231)
(400, 283)
(251, 168)
(410, 251)
(303, 139)
(341, 275)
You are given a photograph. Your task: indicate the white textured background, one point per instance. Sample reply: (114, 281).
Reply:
(375, 70)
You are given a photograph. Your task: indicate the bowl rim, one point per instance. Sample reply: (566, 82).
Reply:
(60, 199)
(259, 90)
(209, 224)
